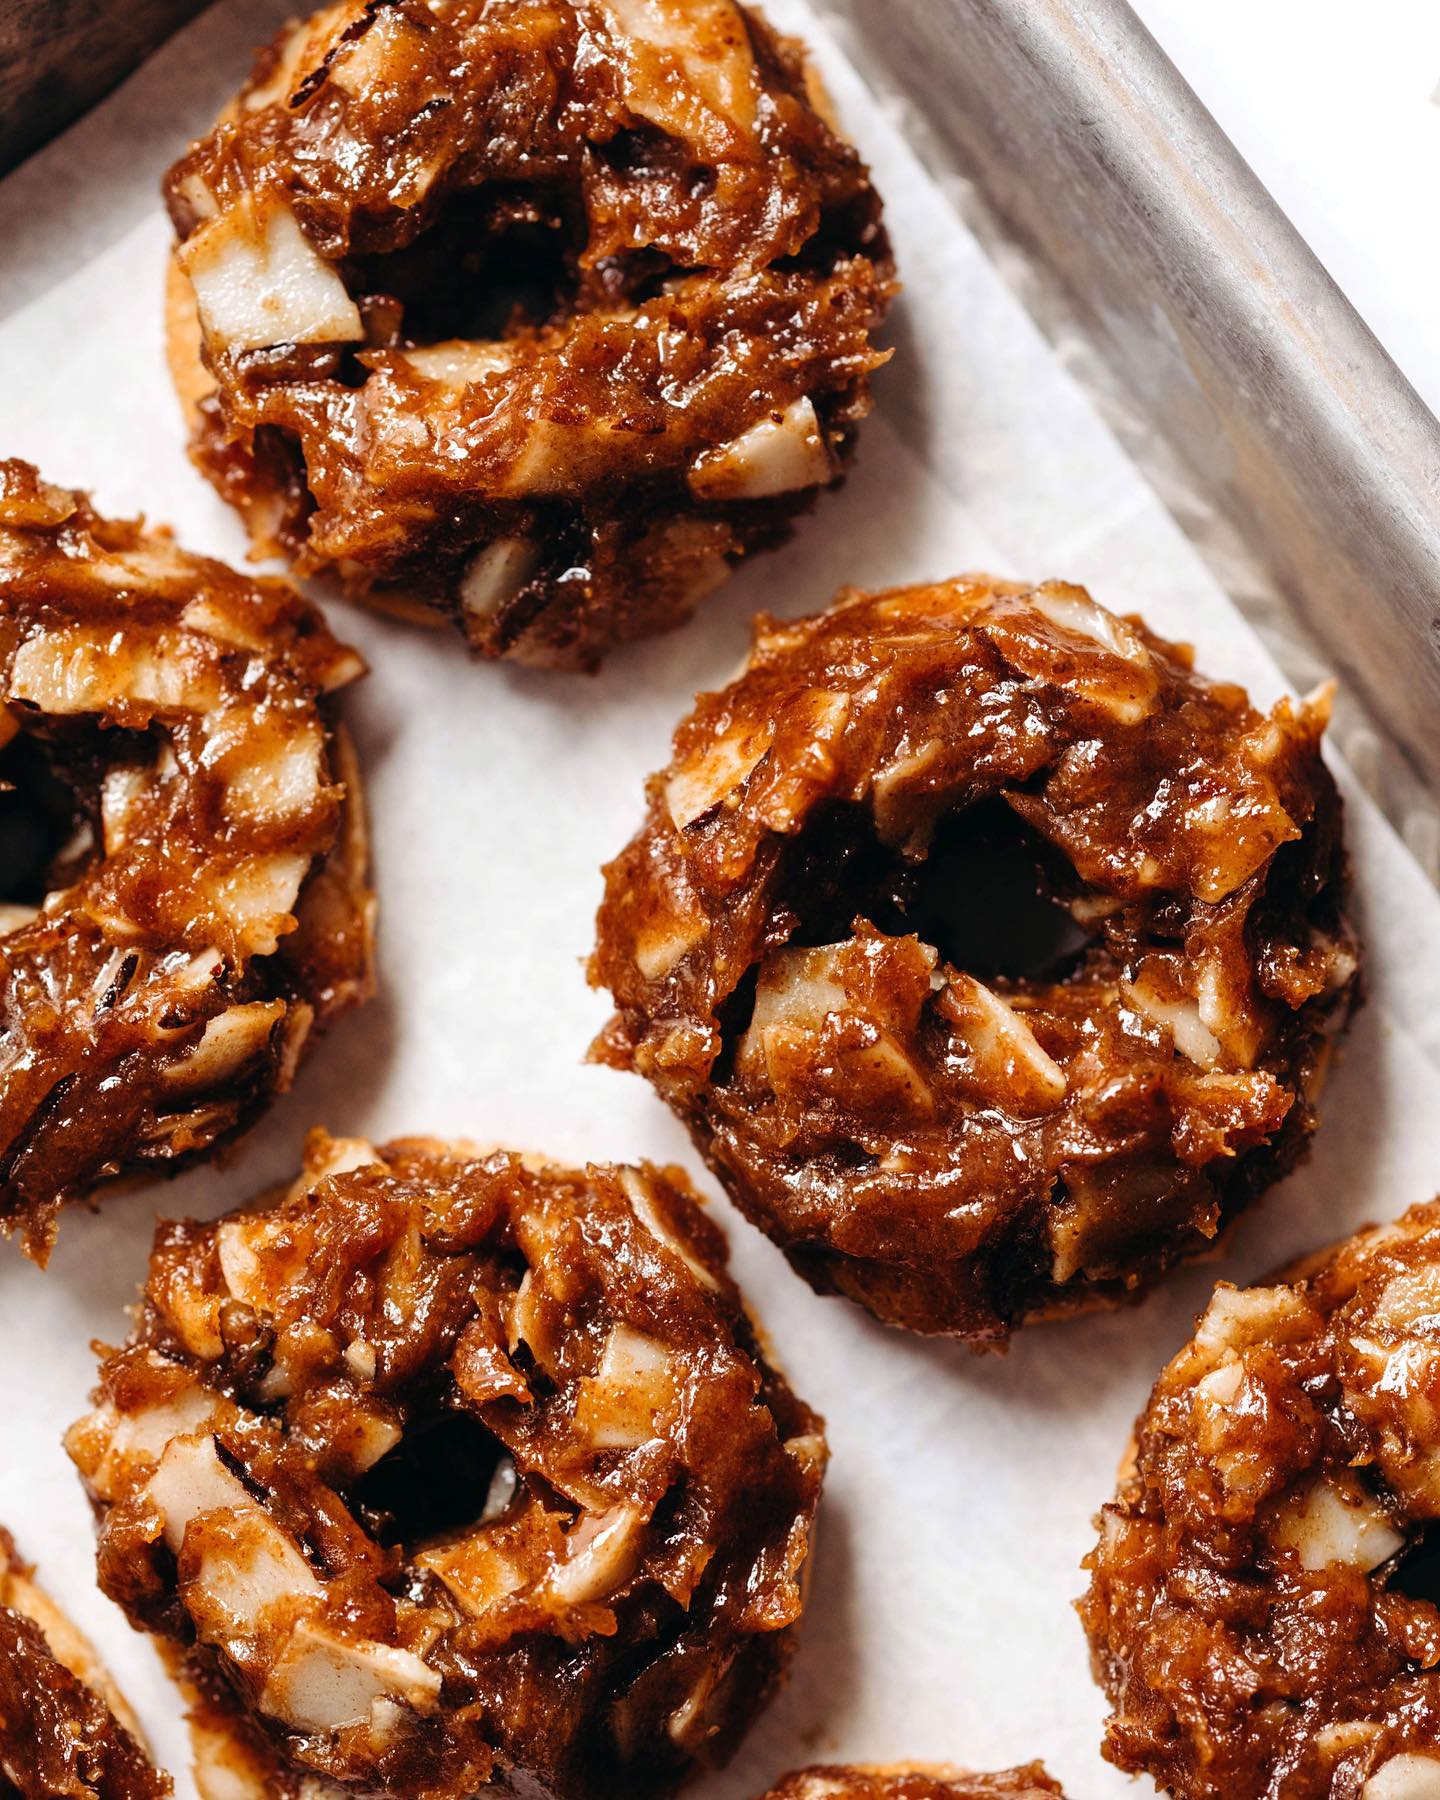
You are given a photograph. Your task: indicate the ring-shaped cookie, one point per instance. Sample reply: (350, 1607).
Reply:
(534, 318)
(454, 1470)
(812, 963)
(181, 846)
(1263, 1606)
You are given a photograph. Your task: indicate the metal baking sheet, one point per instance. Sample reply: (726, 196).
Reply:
(959, 1501)
(1287, 441)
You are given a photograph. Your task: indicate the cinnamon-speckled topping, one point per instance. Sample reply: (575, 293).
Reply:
(1262, 1609)
(452, 1469)
(838, 1783)
(59, 1738)
(907, 1075)
(534, 314)
(182, 861)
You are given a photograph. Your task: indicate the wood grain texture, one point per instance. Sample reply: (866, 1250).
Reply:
(58, 57)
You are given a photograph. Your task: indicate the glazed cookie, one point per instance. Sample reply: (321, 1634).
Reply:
(453, 1469)
(184, 900)
(915, 1783)
(989, 953)
(65, 1733)
(1262, 1609)
(531, 318)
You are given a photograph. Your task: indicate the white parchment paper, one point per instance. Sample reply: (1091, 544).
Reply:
(961, 1490)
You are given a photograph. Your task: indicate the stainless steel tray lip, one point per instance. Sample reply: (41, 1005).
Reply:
(1263, 394)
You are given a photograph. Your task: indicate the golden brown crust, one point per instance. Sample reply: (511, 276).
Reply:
(534, 318)
(456, 1470)
(957, 1140)
(1262, 1609)
(66, 1732)
(914, 1782)
(186, 897)
(184, 356)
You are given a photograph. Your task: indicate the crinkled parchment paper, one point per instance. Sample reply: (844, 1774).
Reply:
(962, 1488)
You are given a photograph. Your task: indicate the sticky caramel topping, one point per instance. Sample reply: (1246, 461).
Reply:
(538, 314)
(453, 1467)
(1262, 1608)
(836, 1783)
(185, 893)
(811, 962)
(59, 1739)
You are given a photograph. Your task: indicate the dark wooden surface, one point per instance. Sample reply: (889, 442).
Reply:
(58, 57)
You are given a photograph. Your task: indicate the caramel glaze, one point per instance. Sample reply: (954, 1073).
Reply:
(207, 910)
(532, 316)
(1262, 1607)
(59, 1740)
(450, 1469)
(844, 1783)
(965, 1151)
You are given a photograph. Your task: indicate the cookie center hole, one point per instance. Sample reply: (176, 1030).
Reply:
(981, 896)
(983, 900)
(447, 1472)
(1417, 1573)
(491, 263)
(39, 825)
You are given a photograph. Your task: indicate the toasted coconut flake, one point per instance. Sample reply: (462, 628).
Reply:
(781, 453)
(601, 1554)
(457, 363)
(1177, 1014)
(709, 779)
(229, 1041)
(621, 1406)
(703, 43)
(1405, 1777)
(325, 1681)
(495, 575)
(1007, 1056)
(258, 281)
(1333, 1524)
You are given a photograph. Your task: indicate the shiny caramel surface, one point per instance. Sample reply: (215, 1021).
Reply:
(59, 1740)
(452, 1469)
(534, 315)
(202, 908)
(843, 1783)
(1263, 1606)
(963, 1148)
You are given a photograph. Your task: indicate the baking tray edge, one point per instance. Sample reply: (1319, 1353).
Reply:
(1273, 423)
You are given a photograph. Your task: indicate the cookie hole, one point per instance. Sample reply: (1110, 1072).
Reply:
(840, 872)
(984, 899)
(984, 895)
(492, 262)
(1416, 1572)
(445, 1474)
(41, 828)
